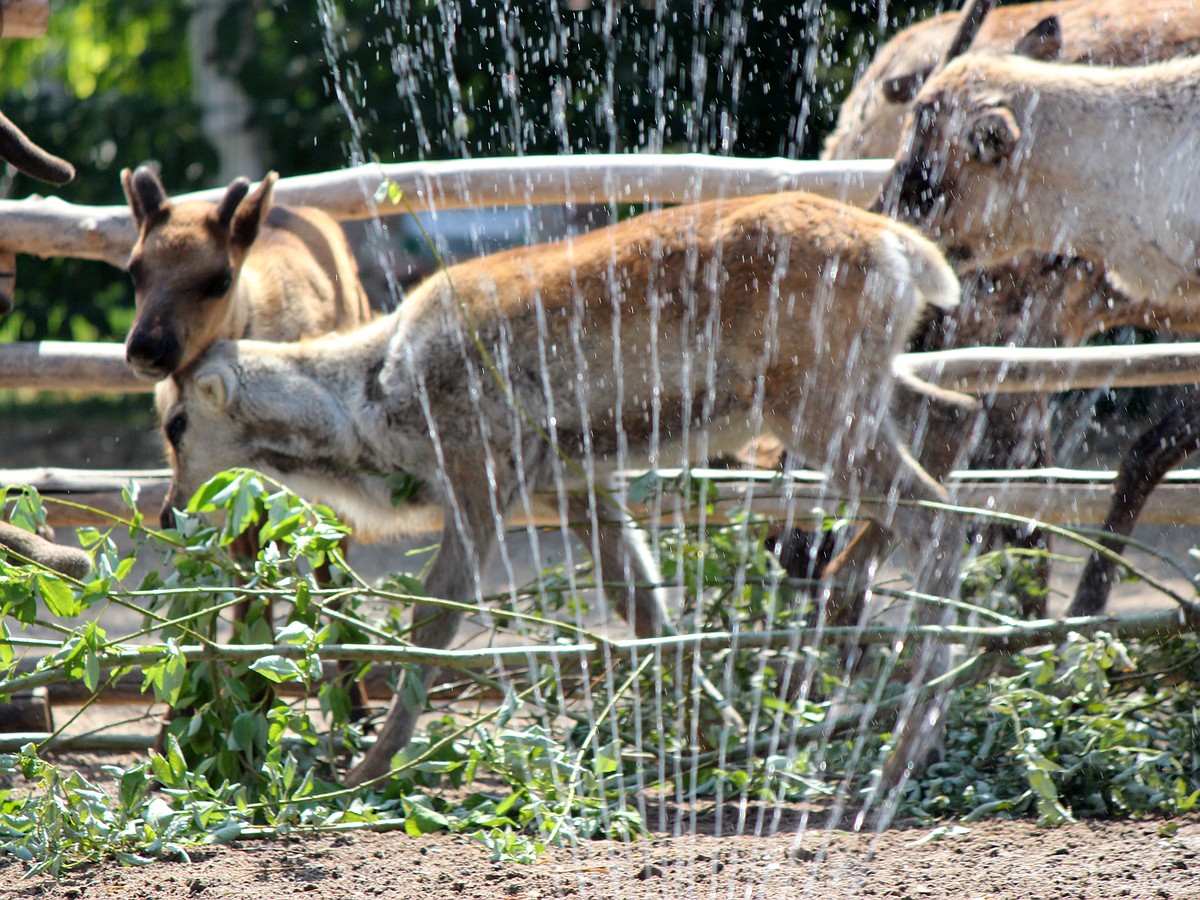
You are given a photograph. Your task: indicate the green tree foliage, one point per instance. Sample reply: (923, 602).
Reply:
(335, 82)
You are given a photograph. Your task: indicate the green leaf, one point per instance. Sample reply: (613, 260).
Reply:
(296, 633)
(245, 731)
(60, 600)
(277, 668)
(402, 486)
(420, 816)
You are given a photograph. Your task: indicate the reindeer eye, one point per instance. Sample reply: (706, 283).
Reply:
(175, 429)
(137, 273)
(218, 285)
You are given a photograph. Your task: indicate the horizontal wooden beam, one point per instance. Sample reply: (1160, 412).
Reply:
(1024, 370)
(51, 227)
(69, 366)
(24, 18)
(1054, 495)
(101, 367)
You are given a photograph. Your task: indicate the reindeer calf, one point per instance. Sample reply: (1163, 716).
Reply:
(241, 268)
(665, 338)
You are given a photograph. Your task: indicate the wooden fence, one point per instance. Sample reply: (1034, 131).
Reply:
(50, 227)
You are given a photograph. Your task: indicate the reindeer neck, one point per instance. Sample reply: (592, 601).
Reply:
(239, 317)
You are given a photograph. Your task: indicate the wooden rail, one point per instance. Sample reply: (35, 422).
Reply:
(52, 227)
(101, 367)
(1057, 496)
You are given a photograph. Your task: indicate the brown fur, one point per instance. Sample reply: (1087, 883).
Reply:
(240, 268)
(1095, 32)
(660, 340)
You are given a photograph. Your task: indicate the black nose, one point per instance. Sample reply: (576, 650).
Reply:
(152, 352)
(918, 193)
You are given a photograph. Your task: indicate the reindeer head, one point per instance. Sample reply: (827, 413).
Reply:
(185, 267)
(962, 137)
(254, 404)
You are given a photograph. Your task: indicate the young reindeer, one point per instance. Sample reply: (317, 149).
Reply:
(666, 338)
(240, 268)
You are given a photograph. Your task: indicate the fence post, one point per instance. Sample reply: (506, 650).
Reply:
(24, 18)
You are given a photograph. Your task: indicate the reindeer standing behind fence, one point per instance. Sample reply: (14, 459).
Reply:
(1034, 298)
(240, 268)
(1008, 154)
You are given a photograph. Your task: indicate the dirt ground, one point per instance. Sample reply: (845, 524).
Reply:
(798, 858)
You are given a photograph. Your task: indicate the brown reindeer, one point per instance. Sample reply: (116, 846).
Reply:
(671, 336)
(240, 268)
(1072, 297)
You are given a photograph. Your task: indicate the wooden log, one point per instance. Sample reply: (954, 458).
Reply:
(101, 367)
(379, 683)
(51, 227)
(8, 281)
(1052, 495)
(1057, 496)
(1024, 370)
(99, 491)
(24, 18)
(69, 366)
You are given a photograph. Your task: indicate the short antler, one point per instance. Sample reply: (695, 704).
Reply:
(972, 19)
(902, 88)
(29, 158)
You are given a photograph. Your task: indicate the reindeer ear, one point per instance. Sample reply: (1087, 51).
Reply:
(145, 193)
(234, 195)
(1042, 42)
(993, 135)
(902, 88)
(252, 212)
(216, 387)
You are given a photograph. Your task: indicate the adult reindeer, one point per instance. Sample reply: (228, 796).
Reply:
(1071, 296)
(1002, 157)
(679, 333)
(26, 156)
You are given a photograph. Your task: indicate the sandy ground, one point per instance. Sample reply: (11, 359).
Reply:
(996, 859)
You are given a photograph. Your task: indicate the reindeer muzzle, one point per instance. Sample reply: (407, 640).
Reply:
(152, 352)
